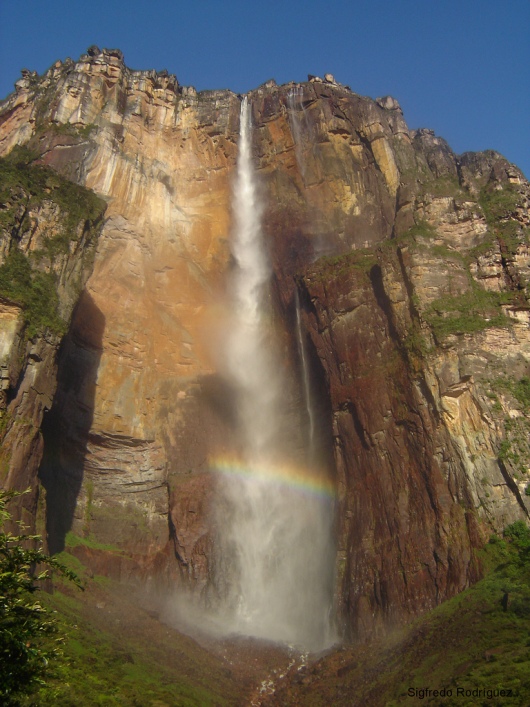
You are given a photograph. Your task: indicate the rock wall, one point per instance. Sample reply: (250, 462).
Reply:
(411, 264)
(48, 234)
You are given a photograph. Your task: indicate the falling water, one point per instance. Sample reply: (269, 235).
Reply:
(308, 158)
(300, 125)
(274, 551)
(306, 380)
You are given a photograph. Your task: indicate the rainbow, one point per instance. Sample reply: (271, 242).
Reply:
(300, 479)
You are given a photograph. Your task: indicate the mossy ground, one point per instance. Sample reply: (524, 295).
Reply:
(117, 653)
(118, 650)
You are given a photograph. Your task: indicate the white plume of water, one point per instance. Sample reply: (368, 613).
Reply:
(274, 550)
(250, 360)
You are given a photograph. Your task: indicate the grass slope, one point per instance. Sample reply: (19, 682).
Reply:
(471, 646)
(116, 653)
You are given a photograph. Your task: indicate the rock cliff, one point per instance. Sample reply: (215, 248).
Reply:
(411, 264)
(48, 234)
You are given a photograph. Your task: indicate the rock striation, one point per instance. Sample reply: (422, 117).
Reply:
(411, 264)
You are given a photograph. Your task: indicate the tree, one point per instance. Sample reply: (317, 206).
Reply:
(25, 625)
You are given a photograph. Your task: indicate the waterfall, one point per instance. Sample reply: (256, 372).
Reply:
(310, 161)
(300, 125)
(306, 381)
(274, 553)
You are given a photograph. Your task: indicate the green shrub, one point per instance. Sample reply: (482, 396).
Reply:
(469, 312)
(35, 292)
(25, 186)
(499, 206)
(519, 534)
(77, 204)
(421, 229)
(521, 390)
(446, 186)
(24, 622)
(331, 267)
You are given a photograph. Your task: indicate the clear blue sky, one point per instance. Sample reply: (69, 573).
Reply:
(456, 66)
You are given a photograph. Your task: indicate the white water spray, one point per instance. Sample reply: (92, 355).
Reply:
(274, 551)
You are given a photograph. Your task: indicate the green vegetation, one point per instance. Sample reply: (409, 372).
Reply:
(100, 667)
(331, 267)
(469, 312)
(520, 389)
(421, 229)
(58, 650)
(479, 640)
(416, 346)
(32, 290)
(115, 653)
(29, 280)
(77, 204)
(29, 638)
(499, 205)
(515, 447)
(82, 131)
(485, 246)
(72, 541)
(446, 186)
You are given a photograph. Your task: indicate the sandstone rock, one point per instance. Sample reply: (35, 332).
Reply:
(388, 103)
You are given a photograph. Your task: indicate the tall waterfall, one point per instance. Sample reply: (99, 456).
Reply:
(274, 549)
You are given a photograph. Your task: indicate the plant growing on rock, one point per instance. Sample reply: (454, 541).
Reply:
(25, 625)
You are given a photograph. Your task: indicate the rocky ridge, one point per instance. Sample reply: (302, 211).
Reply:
(412, 268)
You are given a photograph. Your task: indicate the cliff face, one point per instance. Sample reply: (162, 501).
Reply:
(411, 265)
(48, 234)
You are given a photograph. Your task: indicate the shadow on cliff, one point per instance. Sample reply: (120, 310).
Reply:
(66, 426)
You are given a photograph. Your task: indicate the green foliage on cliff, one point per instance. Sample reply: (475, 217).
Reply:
(331, 267)
(32, 290)
(421, 229)
(82, 131)
(29, 638)
(469, 312)
(499, 206)
(29, 279)
(520, 389)
(446, 186)
(79, 207)
(515, 446)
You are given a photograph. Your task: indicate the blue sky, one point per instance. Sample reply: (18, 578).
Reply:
(458, 67)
